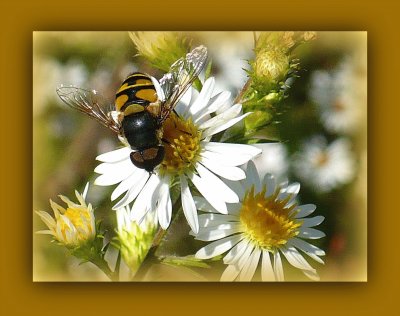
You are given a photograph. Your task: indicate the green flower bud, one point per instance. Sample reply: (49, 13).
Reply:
(134, 240)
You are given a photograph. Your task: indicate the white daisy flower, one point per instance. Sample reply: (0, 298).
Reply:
(72, 226)
(266, 224)
(189, 155)
(323, 166)
(336, 96)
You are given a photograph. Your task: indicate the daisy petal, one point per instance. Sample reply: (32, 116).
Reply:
(188, 205)
(267, 272)
(231, 149)
(227, 172)
(164, 208)
(215, 183)
(236, 252)
(253, 177)
(250, 266)
(215, 103)
(236, 159)
(216, 129)
(115, 155)
(143, 202)
(313, 221)
(313, 275)
(204, 96)
(296, 259)
(310, 233)
(222, 118)
(217, 234)
(307, 247)
(132, 193)
(305, 210)
(230, 273)
(211, 196)
(132, 181)
(218, 247)
(278, 268)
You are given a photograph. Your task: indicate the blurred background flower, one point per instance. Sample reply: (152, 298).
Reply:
(327, 100)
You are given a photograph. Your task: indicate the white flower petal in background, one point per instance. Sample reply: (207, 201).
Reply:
(325, 167)
(336, 94)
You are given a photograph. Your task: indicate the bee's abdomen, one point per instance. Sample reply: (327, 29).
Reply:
(140, 129)
(137, 90)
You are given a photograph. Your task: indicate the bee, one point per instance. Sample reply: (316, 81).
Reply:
(141, 106)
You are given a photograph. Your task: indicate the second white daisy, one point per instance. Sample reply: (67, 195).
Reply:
(266, 224)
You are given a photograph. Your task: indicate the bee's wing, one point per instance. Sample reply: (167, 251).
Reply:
(181, 75)
(90, 103)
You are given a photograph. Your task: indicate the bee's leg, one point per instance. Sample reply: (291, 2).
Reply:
(166, 141)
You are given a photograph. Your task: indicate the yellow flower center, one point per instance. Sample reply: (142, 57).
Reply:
(182, 145)
(80, 218)
(265, 220)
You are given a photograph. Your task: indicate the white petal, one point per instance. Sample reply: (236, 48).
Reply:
(115, 167)
(188, 206)
(252, 177)
(227, 172)
(222, 118)
(305, 210)
(278, 268)
(115, 155)
(47, 219)
(215, 183)
(310, 233)
(230, 273)
(236, 252)
(313, 275)
(250, 266)
(133, 180)
(164, 208)
(217, 234)
(269, 180)
(204, 96)
(228, 159)
(296, 259)
(231, 149)
(222, 226)
(245, 256)
(115, 174)
(211, 196)
(143, 202)
(306, 247)
(133, 192)
(208, 220)
(215, 103)
(203, 205)
(218, 247)
(85, 191)
(267, 272)
(291, 190)
(312, 221)
(237, 187)
(216, 129)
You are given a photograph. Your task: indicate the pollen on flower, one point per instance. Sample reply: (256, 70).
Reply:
(182, 145)
(266, 221)
(79, 217)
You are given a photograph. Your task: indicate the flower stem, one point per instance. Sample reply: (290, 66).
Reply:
(103, 266)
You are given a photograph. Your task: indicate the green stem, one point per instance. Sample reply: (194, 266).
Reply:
(103, 266)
